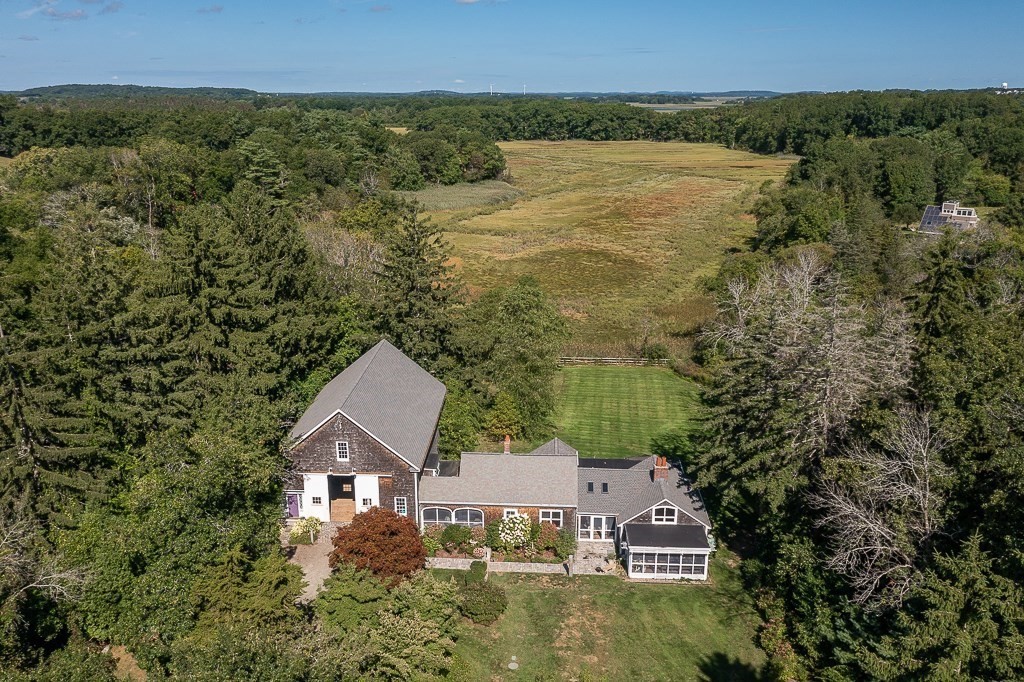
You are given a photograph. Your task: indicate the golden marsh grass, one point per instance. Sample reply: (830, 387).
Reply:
(620, 233)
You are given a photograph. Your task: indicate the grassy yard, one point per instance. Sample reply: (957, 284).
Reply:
(601, 628)
(615, 411)
(620, 233)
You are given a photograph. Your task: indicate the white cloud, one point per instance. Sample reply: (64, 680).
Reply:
(212, 9)
(458, 80)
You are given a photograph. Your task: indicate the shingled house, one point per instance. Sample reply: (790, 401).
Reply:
(649, 509)
(366, 439)
(370, 439)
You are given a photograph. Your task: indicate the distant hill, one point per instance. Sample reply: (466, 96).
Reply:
(109, 91)
(76, 91)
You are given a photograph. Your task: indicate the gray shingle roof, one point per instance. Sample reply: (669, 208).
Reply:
(632, 491)
(497, 479)
(390, 396)
(555, 446)
(680, 537)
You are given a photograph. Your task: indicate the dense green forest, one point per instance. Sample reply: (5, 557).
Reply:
(864, 392)
(177, 284)
(181, 275)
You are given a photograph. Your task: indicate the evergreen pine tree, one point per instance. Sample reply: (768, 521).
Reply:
(419, 292)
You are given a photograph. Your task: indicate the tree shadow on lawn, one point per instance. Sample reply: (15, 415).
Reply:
(720, 667)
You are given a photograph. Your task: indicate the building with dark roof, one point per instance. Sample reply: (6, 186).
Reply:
(647, 507)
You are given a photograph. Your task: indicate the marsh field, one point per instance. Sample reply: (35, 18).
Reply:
(620, 233)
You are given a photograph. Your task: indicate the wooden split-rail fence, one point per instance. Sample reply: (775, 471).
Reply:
(624, 362)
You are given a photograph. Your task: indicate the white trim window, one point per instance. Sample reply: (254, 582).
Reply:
(667, 565)
(341, 450)
(551, 516)
(317, 500)
(437, 516)
(509, 513)
(666, 515)
(401, 506)
(473, 518)
(596, 527)
(367, 502)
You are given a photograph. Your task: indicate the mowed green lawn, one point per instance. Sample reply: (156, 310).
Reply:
(616, 411)
(602, 628)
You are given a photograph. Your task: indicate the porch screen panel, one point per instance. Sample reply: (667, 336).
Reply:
(667, 563)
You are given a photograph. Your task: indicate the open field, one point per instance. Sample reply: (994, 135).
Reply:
(619, 233)
(463, 196)
(704, 103)
(601, 628)
(615, 411)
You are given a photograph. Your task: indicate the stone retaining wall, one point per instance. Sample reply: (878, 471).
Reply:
(497, 566)
(523, 567)
(449, 562)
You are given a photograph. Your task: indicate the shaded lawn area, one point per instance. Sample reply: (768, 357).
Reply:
(616, 411)
(602, 628)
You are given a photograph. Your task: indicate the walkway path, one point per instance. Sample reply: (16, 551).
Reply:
(313, 559)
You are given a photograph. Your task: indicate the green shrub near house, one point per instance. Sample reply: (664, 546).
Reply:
(565, 543)
(492, 539)
(456, 538)
(431, 544)
(477, 573)
(482, 602)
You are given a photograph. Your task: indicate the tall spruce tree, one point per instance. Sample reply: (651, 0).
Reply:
(419, 292)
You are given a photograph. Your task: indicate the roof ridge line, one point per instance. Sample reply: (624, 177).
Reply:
(362, 373)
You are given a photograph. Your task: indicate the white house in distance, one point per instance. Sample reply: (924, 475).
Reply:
(950, 214)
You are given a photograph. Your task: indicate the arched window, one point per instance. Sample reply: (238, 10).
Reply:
(469, 517)
(437, 516)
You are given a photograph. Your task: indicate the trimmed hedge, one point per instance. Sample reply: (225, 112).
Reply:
(482, 602)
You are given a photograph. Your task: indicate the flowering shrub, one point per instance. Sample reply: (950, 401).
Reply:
(305, 530)
(514, 532)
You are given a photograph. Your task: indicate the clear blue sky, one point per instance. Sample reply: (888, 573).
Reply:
(550, 45)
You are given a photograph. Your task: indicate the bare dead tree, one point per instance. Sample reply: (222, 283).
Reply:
(357, 256)
(815, 345)
(23, 570)
(887, 511)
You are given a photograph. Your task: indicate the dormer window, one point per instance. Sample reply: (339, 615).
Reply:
(664, 515)
(341, 448)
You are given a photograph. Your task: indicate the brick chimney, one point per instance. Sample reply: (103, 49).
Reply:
(660, 469)
(508, 444)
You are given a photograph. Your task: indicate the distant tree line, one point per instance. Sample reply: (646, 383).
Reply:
(293, 152)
